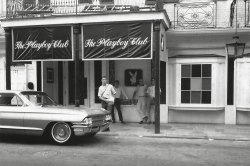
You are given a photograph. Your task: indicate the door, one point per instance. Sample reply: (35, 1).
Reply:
(71, 83)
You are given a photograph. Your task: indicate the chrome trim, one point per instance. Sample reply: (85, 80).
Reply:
(79, 125)
(20, 128)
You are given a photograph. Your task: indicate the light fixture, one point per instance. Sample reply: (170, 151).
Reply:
(235, 49)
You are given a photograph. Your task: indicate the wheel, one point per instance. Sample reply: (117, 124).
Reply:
(61, 133)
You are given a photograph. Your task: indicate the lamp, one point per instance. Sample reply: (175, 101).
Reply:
(236, 49)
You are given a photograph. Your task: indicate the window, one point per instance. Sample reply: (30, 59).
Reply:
(10, 99)
(85, 1)
(196, 84)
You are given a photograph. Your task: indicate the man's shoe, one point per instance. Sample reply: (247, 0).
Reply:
(106, 130)
(141, 122)
(122, 122)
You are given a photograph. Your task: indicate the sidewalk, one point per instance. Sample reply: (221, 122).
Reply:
(182, 131)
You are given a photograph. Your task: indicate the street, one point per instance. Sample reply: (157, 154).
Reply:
(112, 150)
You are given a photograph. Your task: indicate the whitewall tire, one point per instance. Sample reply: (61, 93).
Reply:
(61, 133)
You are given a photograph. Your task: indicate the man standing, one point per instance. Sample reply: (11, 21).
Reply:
(141, 90)
(119, 92)
(106, 93)
(151, 101)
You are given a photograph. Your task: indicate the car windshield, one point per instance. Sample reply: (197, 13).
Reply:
(38, 98)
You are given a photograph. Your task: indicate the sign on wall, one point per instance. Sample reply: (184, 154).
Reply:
(117, 41)
(42, 43)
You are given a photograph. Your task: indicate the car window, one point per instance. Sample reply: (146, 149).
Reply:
(10, 99)
(38, 98)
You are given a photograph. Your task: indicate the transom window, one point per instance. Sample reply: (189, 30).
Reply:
(106, 1)
(85, 1)
(196, 83)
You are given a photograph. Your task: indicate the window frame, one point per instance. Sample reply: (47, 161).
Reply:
(201, 77)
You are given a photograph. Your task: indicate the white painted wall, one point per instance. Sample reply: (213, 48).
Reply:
(2, 63)
(217, 98)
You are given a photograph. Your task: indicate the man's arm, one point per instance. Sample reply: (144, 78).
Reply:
(123, 93)
(135, 92)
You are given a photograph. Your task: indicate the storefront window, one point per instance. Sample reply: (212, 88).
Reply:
(196, 84)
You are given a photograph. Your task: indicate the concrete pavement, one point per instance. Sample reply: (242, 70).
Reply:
(182, 131)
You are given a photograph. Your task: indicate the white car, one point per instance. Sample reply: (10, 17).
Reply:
(34, 113)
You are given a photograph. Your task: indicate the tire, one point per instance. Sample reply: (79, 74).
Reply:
(61, 133)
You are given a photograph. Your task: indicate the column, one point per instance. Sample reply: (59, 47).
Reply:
(77, 32)
(8, 52)
(156, 60)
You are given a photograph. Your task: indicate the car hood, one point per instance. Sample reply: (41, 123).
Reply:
(71, 110)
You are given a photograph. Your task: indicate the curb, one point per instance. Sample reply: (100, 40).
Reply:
(193, 137)
(175, 137)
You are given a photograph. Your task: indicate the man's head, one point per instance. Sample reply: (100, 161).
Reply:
(141, 81)
(104, 80)
(117, 83)
(152, 81)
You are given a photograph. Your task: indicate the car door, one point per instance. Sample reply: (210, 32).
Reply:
(11, 113)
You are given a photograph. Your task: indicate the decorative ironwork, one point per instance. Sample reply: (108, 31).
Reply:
(194, 15)
(43, 8)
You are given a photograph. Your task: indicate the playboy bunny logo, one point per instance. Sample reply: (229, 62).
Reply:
(133, 78)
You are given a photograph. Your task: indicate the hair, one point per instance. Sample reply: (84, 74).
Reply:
(30, 85)
(117, 81)
(104, 77)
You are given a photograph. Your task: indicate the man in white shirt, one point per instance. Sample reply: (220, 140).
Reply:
(117, 104)
(106, 93)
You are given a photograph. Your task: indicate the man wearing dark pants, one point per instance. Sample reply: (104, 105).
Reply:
(117, 104)
(106, 93)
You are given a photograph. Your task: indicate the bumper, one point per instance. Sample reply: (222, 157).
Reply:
(80, 130)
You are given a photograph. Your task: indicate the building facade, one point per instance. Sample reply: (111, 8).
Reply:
(193, 67)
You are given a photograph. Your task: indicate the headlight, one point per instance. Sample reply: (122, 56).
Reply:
(108, 117)
(87, 121)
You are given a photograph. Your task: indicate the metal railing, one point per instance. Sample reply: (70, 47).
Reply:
(20, 9)
(194, 15)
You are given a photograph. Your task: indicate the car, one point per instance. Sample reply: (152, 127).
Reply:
(35, 113)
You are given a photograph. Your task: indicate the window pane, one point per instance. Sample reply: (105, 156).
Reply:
(196, 84)
(185, 71)
(206, 84)
(85, 1)
(206, 97)
(196, 70)
(185, 97)
(206, 70)
(195, 97)
(185, 84)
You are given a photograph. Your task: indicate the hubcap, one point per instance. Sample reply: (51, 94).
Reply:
(61, 132)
